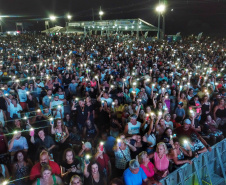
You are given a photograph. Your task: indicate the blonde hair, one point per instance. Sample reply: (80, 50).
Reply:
(141, 156)
(46, 167)
(164, 146)
(75, 177)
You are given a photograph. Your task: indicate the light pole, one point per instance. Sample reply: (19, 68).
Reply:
(160, 9)
(1, 24)
(101, 13)
(52, 18)
(69, 17)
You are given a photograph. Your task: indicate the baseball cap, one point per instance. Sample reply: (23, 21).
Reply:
(187, 121)
(88, 145)
(181, 104)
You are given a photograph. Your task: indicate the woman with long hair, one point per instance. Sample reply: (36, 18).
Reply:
(21, 168)
(167, 136)
(61, 134)
(32, 103)
(104, 161)
(93, 175)
(60, 131)
(68, 122)
(70, 166)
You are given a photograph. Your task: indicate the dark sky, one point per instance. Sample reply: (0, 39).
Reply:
(188, 16)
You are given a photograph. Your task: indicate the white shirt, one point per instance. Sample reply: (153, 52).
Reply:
(19, 144)
(14, 110)
(55, 104)
(134, 129)
(22, 95)
(39, 90)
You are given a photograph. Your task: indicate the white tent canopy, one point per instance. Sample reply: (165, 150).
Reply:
(55, 29)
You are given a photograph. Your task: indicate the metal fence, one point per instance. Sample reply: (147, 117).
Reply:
(208, 169)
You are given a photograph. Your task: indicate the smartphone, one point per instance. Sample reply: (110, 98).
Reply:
(119, 142)
(185, 142)
(87, 157)
(101, 146)
(32, 132)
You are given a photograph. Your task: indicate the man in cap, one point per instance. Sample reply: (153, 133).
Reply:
(180, 112)
(134, 175)
(186, 133)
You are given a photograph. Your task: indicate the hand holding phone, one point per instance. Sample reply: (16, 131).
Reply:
(87, 157)
(101, 146)
(32, 132)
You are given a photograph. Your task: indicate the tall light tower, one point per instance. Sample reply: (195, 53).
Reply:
(1, 24)
(52, 18)
(101, 13)
(160, 9)
(69, 17)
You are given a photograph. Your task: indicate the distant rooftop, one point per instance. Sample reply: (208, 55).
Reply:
(114, 25)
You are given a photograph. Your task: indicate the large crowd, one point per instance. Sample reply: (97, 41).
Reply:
(98, 110)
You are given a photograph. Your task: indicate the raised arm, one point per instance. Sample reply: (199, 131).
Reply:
(52, 128)
(138, 110)
(150, 127)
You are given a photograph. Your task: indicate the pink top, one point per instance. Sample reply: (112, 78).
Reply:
(93, 84)
(150, 173)
(161, 164)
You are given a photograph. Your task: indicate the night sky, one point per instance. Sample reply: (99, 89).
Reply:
(188, 16)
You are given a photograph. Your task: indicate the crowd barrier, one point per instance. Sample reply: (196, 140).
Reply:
(208, 169)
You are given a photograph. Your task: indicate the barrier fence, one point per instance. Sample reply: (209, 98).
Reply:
(208, 169)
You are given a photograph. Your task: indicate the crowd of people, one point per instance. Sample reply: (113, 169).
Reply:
(98, 110)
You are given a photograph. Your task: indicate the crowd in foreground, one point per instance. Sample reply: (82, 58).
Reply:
(107, 110)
